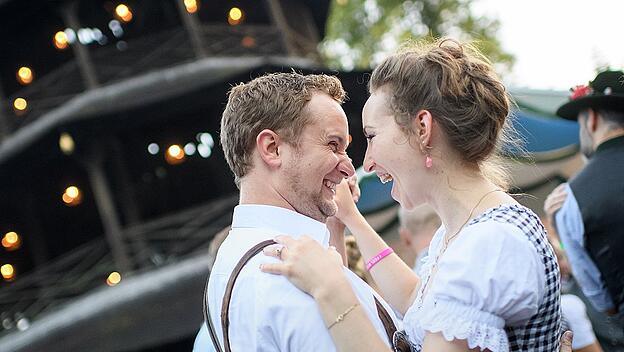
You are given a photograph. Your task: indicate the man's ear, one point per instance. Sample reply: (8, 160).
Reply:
(268, 146)
(592, 120)
(422, 125)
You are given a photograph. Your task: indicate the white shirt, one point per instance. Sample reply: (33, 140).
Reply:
(575, 313)
(490, 276)
(267, 312)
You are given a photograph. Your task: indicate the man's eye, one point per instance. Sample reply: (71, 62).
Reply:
(334, 146)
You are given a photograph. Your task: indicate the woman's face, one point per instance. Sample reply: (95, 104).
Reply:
(389, 152)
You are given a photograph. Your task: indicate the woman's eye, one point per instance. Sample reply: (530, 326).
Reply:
(369, 137)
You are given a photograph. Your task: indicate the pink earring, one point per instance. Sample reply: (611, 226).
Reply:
(428, 162)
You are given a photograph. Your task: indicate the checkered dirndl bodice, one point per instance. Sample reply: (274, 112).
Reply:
(543, 330)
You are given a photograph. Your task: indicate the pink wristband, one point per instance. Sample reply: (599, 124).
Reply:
(376, 259)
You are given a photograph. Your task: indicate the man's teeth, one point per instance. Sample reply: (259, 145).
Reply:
(385, 178)
(330, 185)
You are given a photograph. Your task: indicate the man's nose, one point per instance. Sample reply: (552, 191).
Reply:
(346, 167)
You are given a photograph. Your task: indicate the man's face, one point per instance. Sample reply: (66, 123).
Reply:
(585, 136)
(313, 169)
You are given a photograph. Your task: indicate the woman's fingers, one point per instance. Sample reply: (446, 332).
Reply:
(354, 187)
(274, 268)
(275, 250)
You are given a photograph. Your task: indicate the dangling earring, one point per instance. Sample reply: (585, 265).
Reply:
(428, 162)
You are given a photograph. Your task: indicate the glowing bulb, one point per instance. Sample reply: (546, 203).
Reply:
(175, 154)
(235, 16)
(123, 12)
(175, 151)
(11, 241)
(72, 191)
(20, 104)
(113, 279)
(66, 143)
(24, 75)
(67, 199)
(60, 40)
(191, 6)
(8, 272)
(72, 196)
(11, 237)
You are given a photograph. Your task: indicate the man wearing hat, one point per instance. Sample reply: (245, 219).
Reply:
(590, 221)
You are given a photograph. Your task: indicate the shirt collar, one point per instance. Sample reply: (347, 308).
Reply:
(280, 220)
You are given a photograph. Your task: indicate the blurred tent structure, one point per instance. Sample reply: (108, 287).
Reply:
(118, 262)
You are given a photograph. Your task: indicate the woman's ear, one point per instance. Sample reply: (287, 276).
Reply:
(422, 125)
(268, 146)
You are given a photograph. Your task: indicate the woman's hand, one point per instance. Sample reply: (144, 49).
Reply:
(347, 194)
(312, 268)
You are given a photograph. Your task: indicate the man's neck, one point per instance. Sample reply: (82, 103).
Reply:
(609, 135)
(254, 192)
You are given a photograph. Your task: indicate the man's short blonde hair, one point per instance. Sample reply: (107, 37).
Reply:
(274, 101)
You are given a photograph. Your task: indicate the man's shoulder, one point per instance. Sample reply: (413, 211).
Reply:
(268, 290)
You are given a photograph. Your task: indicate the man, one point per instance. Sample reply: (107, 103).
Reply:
(285, 137)
(590, 221)
(416, 229)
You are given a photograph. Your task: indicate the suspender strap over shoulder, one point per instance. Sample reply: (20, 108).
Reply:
(225, 321)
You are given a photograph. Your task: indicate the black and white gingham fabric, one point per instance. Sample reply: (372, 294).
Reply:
(543, 330)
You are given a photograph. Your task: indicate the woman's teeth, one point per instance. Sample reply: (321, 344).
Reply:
(385, 178)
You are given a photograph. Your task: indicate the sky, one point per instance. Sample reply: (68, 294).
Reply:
(558, 43)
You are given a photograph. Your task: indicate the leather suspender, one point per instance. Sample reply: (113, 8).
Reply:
(385, 318)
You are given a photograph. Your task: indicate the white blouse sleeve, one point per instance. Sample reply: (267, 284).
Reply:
(490, 277)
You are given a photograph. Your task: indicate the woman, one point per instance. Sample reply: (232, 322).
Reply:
(434, 122)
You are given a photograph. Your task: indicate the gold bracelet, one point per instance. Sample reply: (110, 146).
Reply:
(341, 317)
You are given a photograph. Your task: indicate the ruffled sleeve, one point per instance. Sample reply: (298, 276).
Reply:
(489, 278)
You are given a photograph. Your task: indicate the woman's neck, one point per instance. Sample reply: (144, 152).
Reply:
(462, 193)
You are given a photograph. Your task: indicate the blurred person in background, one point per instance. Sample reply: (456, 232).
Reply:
(416, 229)
(587, 211)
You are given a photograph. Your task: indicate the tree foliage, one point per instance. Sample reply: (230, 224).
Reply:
(361, 32)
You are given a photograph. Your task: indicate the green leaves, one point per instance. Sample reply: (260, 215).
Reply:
(361, 32)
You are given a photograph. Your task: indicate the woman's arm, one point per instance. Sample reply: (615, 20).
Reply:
(397, 282)
(436, 342)
(319, 272)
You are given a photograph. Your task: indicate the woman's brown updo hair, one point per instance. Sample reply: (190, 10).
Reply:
(458, 85)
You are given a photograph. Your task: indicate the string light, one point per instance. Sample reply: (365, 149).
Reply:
(191, 5)
(72, 196)
(11, 241)
(113, 278)
(235, 16)
(174, 155)
(60, 40)
(20, 105)
(8, 272)
(123, 12)
(66, 143)
(24, 75)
